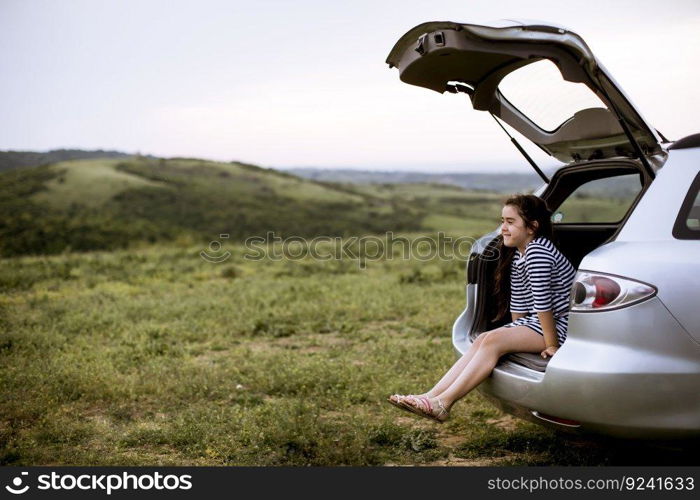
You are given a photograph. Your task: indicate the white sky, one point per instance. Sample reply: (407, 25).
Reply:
(301, 83)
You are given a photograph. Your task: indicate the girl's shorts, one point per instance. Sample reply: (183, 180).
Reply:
(533, 321)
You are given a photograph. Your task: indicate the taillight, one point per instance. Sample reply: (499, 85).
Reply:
(601, 292)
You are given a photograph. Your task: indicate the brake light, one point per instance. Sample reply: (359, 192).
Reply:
(606, 290)
(593, 291)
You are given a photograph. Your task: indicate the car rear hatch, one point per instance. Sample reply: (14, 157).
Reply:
(479, 59)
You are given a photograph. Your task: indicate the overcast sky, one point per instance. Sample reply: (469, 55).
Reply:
(301, 83)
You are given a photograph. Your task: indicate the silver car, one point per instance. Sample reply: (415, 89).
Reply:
(626, 209)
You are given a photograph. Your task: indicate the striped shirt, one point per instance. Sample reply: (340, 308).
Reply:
(541, 279)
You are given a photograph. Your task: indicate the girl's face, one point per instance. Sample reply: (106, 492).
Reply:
(514, 232)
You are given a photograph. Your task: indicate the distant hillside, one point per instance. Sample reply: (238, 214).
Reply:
(18, 159)
(496, 182)
(112, 202)
(504, 183)
(109, 203)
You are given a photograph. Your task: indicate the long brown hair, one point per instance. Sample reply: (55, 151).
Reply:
(532, 209)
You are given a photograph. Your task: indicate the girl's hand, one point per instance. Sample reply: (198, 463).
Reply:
(549, 351)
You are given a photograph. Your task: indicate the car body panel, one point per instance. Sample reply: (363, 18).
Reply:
(656, 212)
(676, 278)
(658, 258)
(628, 375)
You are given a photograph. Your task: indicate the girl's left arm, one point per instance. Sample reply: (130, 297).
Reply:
(549, 329)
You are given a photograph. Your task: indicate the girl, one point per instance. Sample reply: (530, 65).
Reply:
(540, 279)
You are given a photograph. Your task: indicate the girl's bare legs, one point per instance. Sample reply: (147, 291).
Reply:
(456, 369)
(495, 345)
(482, 361)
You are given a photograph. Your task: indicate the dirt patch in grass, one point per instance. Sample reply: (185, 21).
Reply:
(451, 440)
(415, 422)
(506, 422)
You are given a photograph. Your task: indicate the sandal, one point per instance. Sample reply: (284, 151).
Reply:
(399, 401)
(423, 408)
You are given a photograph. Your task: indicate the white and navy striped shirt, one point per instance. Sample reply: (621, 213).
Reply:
(541, 279)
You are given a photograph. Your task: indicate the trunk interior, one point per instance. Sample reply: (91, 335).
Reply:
(575, 241)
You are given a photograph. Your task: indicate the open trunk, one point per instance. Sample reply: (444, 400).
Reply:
(574, 240)
(497, 66)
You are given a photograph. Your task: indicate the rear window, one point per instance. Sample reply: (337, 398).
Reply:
(687, 226)
(540, 93)
(600, 201)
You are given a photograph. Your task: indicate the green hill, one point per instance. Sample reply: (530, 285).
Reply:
(111, 203)
(17, 159)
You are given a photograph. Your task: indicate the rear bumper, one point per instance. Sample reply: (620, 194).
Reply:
(631, 373)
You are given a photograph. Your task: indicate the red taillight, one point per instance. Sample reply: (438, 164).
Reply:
(594, 291)
(606, 290)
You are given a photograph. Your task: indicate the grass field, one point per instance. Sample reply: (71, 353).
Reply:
(158, 357)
